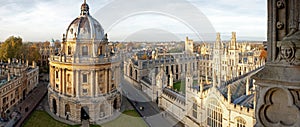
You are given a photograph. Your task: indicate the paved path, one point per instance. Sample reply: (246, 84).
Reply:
(151, 113)
(85, 123)
(30, 102)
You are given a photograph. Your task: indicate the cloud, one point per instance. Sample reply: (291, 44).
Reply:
(246, 17)
(41, 20)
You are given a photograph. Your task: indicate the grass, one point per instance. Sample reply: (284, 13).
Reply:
(177, 86)
(43, 119)
(129, 118)
(181, 88)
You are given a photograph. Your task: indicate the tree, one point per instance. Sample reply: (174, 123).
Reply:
(14, 48)
(31, 52)
(11, 48)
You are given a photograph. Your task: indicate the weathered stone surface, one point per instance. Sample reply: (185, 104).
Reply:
(279, 82)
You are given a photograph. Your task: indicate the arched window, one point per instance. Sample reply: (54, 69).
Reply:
(102, 110)
(195, 107)
(214, 114)
(136, 74)
(67, 110)
(130, 71)
(69, 50)
(240, 122)
(100, 50)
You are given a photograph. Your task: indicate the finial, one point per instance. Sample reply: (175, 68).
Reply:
(84, 8)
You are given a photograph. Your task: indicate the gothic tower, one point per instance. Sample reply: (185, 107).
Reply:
(217, 60)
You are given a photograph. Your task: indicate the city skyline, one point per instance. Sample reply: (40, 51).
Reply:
(28, 19)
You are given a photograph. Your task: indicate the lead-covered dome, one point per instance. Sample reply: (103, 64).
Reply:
(85, 27)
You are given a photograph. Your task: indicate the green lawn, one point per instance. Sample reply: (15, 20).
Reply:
(43, 119)
(129, 118)
(181, 88)
(177, 86)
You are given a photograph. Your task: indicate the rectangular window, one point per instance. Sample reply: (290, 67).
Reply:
(195, 110)
(56, 74)
(84, 91)
(68, 78)
(84, 78)
(69, 50)
(84, 51)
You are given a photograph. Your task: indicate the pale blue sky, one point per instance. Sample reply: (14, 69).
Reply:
(42, 20)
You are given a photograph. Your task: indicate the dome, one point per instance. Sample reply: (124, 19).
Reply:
(85, 27)
(52, 43)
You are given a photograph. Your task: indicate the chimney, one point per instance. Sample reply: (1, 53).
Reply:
(229, 94)
(153, 77)
(8, 76)
(214, 79)
(247, 86)
(171, 80)
(206, 76)
(201, 85)
(33, 64)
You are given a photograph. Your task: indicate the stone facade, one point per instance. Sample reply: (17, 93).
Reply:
(278, 91)
(221, 102)
(85, 74)
(216, 86)
(17, 80)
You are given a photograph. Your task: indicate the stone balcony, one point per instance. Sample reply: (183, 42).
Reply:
(85, 60)
(95, 98)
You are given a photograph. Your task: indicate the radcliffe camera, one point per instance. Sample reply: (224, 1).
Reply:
(150, 63)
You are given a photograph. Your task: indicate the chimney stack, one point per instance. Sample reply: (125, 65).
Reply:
(229, 94)
(171, 80)
(33, 64)
(247, 86)
(8, 76)
(201, 85)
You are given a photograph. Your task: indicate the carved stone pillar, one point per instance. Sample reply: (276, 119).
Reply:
(96, 83)
(77, 83)
(278, 97)
(92, 83)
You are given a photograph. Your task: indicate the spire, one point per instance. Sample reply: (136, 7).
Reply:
(233, 41)
(206, 75)
(218, 41)
(214, 78)
(84, 8)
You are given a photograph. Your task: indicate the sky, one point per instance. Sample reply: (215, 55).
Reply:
(135, 20)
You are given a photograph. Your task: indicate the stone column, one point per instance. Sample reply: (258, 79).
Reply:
(279, 81)
(92, 78)
(74, 83)
(77, 83)
(64, 81)
(51, 77)
(60, 81)
(97, 83)
(106, 80)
